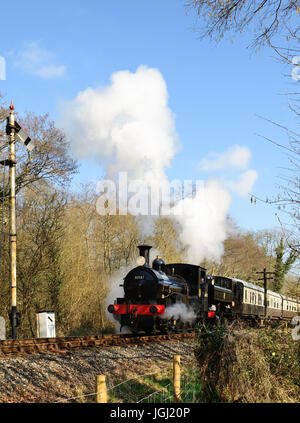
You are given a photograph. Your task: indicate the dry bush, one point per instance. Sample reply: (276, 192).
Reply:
(248, 365)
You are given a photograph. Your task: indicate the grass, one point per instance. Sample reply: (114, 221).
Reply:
(156, 388)
(136, 390)
(159, 388)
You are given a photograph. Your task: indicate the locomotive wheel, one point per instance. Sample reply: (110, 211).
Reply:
(179, 327)
(165, 331)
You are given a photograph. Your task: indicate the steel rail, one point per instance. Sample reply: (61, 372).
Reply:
(64, 344)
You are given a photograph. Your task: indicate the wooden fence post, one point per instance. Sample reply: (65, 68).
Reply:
(176, 378)
(101, 391)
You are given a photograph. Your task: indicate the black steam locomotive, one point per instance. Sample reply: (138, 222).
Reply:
(159, 298)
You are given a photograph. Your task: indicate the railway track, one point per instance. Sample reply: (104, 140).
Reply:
(59, 345)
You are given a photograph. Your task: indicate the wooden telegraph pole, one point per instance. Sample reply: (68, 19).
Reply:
(265, 279)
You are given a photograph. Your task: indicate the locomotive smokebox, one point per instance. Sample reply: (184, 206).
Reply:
(145, 252)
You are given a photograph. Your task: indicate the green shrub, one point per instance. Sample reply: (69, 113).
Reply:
(248, 365)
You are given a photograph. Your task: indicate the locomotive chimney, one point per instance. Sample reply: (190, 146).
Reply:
(145, 252)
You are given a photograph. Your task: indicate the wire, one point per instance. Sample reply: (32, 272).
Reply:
(115, 386)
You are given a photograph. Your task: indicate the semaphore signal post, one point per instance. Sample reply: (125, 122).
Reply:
(13, 129)
(11, 162)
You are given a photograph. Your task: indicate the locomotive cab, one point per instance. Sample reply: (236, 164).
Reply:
(191, 273)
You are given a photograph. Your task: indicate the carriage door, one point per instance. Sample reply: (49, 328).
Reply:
(238, 294)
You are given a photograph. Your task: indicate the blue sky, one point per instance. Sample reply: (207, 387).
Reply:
(55, 49)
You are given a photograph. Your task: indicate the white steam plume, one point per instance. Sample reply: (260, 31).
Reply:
(116, 291)
(179, 311)
(128, 125)
(204, 222)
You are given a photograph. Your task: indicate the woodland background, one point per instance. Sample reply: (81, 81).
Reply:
(67, 254)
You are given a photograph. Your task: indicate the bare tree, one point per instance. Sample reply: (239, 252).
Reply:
(40, 230)
(49, 161)
(165, 239)
(265, 17)
(242, 258)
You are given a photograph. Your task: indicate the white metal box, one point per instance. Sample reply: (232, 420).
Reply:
(46, 324)
(2, 329)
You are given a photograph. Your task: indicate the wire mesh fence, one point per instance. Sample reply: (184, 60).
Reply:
(155, 387)
(190, 389)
